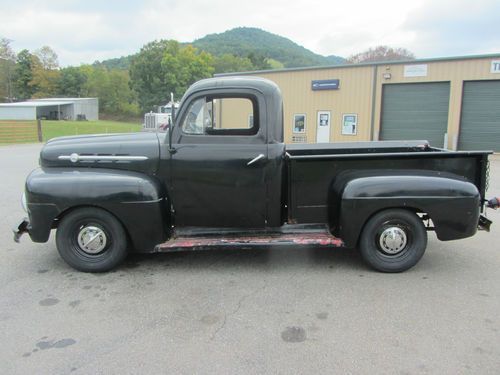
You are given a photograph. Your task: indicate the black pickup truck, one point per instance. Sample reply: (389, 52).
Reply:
(204, 184)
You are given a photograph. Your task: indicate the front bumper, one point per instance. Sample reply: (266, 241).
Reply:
(20, 229)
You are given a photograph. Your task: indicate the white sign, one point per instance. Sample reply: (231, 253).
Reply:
(350, 124)
(495, 66)
(419, 70)
(299, 123)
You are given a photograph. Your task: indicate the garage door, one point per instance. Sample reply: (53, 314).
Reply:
(415, 111)
(480, 121)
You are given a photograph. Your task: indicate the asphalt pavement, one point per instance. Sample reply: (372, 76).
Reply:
(281, 311)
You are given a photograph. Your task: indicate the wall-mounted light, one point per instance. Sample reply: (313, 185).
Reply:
(387, 76)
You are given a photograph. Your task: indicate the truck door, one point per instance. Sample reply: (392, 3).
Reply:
(219, 163)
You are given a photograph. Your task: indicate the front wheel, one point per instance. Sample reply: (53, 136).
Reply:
(393, 240)
(91, 240)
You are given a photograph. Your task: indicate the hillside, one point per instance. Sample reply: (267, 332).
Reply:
(116, 63)
(245, 41)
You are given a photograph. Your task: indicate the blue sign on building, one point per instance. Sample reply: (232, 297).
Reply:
(325, 84)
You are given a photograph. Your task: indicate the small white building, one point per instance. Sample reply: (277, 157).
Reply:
(52, 109)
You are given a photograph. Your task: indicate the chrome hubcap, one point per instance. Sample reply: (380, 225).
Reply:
(92, 239)
(392, 240)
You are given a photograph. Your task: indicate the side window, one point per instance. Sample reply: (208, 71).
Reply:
(221, 116)
(198, 118)
(233, 113)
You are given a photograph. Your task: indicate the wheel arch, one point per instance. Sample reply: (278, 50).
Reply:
(452, 204)
(361, 225)
(139, 202)
(57, 220)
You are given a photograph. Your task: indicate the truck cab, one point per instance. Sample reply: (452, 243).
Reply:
(231, 134)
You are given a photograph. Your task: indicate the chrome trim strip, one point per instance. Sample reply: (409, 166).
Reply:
(140, 202)
(256, 159)
(314, 206)
(75, 157)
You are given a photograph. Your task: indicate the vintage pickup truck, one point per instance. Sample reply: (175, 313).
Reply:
(221, 176)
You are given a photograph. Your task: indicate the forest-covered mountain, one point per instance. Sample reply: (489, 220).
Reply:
(243, 41)
(250, 41)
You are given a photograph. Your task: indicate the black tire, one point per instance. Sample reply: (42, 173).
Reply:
(399, 255)
(102, 254)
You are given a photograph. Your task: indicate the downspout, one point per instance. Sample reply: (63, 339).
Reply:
(374, 93)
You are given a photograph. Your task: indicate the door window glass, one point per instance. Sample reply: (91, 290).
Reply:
(221, 116)
(198, 118)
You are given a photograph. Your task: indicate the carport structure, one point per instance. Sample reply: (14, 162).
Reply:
(34, 110)
(51, 109)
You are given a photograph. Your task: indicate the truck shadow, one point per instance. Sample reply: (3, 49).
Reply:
(258, 258)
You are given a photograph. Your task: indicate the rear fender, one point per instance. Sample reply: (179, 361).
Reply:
(452, 204)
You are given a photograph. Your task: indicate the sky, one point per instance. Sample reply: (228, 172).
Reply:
(86, 31)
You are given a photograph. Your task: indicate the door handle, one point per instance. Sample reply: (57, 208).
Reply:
(256, 159)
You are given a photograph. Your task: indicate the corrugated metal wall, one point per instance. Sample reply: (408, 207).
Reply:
(88, 107)
(353, 96)
(455, 71)
(233, 113)
(360, 86)
(17, 113)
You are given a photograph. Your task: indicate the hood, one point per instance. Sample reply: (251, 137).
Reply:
(131, 151)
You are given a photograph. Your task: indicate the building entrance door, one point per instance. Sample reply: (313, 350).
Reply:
(323, 127)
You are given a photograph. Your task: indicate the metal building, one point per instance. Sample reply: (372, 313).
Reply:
(51, 109)
(453, 102)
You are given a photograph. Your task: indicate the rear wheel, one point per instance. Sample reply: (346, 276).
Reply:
(91, 240)
(393, 240)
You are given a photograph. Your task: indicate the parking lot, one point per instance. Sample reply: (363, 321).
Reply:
(287, 310)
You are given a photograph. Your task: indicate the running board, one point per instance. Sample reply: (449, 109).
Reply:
(316, 238)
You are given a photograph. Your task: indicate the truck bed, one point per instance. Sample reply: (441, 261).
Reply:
(314, 168)
(349, 148)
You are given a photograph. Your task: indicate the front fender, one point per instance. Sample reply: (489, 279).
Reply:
(452, 204)
(137, 200)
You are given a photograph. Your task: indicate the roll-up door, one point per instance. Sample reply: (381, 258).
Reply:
(480, 119)
(415, 111)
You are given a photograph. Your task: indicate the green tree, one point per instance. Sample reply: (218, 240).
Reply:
(259, 61)
(23, 75)
(228, 63)
(275, 64)
(72, 82)
(185, 65)
(165, 66)
(47, 57)
(45, 70)
(44, 81)
(7, 66)
(147, 77)
(113, 90)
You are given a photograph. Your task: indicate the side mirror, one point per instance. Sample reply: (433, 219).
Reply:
(171, 123)
(170, 127)
(172, 111)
